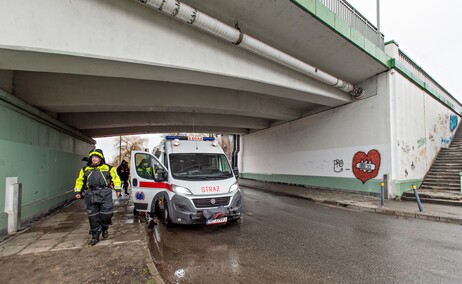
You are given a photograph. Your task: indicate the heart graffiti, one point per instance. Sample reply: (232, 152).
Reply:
(366, 166)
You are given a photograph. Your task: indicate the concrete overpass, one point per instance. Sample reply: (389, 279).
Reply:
(284, 74)
(130, 65)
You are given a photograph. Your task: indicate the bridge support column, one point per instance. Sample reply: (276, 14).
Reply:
(236, 148)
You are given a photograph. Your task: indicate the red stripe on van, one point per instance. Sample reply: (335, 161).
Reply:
(154, 184)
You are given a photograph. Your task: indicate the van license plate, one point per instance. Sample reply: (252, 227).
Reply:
(217, 221)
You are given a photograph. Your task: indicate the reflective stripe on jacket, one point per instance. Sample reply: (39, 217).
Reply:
(97, 177)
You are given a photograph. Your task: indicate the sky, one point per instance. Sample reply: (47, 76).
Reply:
(425, 30)
(108, 145)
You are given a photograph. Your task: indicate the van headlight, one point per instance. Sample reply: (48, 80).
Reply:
(181, 190)
(234, 187)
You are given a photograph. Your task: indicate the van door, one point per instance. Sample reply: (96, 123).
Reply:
(149, 180)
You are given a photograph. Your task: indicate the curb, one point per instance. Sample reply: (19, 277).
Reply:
(150, 263)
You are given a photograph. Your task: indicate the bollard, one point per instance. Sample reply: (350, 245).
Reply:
(460, 174)
(13, 197)
(417, 198)
(382, 194)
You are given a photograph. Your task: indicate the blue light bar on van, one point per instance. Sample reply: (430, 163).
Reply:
(176, 137)
(172, 137)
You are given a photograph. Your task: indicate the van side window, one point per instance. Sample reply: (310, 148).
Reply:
(146, 166)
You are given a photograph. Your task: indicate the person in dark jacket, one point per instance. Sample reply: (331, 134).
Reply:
(124, 172)
(99, 179)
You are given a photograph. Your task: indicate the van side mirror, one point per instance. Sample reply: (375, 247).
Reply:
(236, 172)
(161, 175)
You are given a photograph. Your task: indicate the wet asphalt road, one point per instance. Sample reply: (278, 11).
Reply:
(282, 239)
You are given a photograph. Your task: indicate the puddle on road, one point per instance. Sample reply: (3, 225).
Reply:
(155, 243)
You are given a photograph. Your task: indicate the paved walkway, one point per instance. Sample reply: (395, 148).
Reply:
(54, 250)
(435, 212)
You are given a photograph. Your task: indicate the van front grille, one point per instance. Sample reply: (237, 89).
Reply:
(211, 202)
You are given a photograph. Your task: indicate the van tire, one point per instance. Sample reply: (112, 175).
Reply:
(166, 217)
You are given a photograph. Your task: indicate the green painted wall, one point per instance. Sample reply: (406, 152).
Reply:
(351, 184)
(45, 159)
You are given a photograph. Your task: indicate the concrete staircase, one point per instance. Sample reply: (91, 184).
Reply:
(442, 182)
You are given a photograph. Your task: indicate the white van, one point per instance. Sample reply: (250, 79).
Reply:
(190, 181)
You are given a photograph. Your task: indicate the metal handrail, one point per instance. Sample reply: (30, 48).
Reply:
(351, 16)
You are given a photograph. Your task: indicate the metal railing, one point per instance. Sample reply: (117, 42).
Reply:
(346, 12)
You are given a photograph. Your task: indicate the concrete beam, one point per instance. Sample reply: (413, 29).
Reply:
(60, 93)
(293, 85)
(103, 120)
(108, 132)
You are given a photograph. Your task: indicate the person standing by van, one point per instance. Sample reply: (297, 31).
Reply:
(99, 178)
(124, 171)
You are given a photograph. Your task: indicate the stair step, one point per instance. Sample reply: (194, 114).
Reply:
(437, 187)
(441, 184)
(451, 177)
(432, 200)
(448, 167)
(453, 174)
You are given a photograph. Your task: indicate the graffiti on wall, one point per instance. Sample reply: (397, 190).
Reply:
(453, 122)
(445, 127)
(421, 142)
(404, 147)
(366, 166)
(338, 166)
(446, 141)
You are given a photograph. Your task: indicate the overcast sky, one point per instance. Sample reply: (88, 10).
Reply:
(428, 31)
(109, 149)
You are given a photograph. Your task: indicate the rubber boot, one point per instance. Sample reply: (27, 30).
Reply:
(94, 240)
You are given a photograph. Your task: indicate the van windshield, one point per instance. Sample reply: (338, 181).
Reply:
(200, 166)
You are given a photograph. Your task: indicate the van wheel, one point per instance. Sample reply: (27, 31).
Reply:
(166, 220)
(136, 213)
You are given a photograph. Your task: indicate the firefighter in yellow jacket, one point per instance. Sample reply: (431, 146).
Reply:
(99, 178)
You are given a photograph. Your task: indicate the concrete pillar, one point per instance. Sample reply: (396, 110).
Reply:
(13, 197)
(392, 49)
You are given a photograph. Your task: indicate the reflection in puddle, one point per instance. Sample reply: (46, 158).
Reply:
(191, 254)
(179, 273)
(155, 241)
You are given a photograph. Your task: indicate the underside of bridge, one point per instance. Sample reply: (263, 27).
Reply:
(136, 85)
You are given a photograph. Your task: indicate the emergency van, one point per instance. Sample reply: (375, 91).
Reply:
(187, 181)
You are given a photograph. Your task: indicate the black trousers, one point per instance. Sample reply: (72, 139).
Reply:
(99, 209)
(125, 185)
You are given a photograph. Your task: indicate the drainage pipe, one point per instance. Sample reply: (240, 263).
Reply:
(190, 15)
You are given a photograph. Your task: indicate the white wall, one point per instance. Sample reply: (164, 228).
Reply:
(422, 128)
(318, 145)
(403, 123)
